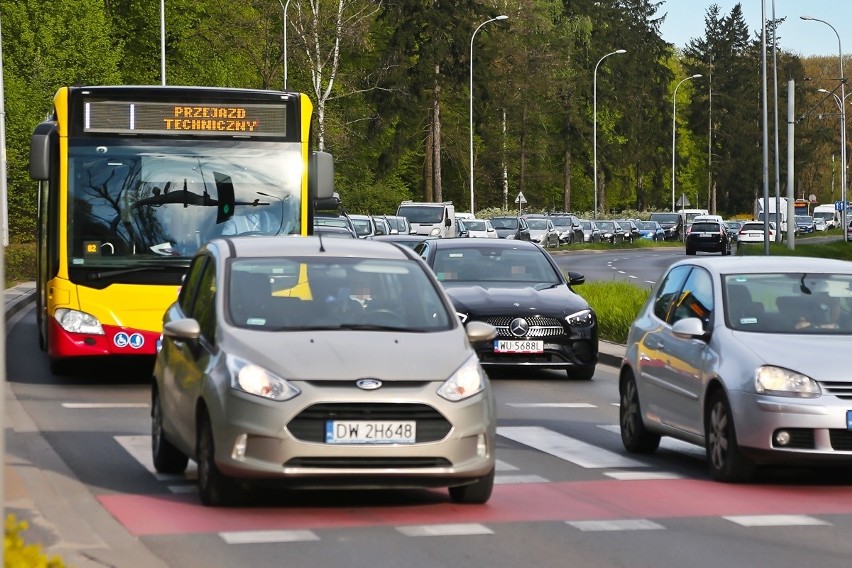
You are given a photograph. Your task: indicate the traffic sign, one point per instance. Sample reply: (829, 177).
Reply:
(520, 198)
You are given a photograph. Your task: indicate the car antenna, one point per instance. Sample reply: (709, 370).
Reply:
(319, 236)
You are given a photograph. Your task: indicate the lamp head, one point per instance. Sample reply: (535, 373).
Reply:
(824, 91)
(697, 76)
(620, 51)
(502, 18)
(806, 17)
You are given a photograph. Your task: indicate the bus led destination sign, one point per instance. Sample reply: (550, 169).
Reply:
(123, 117)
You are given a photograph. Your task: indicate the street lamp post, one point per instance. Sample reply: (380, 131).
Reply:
(595, 126)
(473, 35)
(674, 130)
(284, 7)
(163, 41)
(842, 106)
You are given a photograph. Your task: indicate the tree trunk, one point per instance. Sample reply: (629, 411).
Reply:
(505, 167)
(566, 187)
(428, 170)
(523, 151)
(602, 192)
(436, 143)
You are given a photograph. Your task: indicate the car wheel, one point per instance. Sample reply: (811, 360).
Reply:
(582, 373)
(724, 458)
(167, 458)
(689, 251)
(214, 488)
(475, 493)
(634, 436)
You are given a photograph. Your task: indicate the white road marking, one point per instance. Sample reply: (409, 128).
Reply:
(257, 537)
(97, 405)
(517, 479)
(776, 521)
(622, 525)
(567, 448)
(666, 443)
(504, 466)
(180, 489)
(139, 447)
(445, 530)
(551, 405)
(631, 276)
(641, 475)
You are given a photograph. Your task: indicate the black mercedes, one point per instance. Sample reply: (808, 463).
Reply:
(516, 287)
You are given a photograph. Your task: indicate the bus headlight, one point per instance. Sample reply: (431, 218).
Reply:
(74, 321)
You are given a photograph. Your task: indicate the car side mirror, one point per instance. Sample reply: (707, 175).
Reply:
(478, 331)
(689, 328)
(575, 278)
(186, 329)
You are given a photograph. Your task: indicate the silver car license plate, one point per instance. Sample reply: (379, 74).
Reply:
(370, 432)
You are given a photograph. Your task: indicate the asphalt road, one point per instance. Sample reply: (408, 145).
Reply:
(566, 493)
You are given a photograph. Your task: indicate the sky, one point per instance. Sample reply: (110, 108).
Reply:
(685, 21)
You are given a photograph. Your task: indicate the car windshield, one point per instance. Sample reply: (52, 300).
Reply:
(648, 225)
(562, 221)
(504, 223)
(537, 224)
(527, 267)
(586, 225)
(283, 293)
(362, 226)
(422, 213)
(474, 225)
(606, 225)
(790, 302)
(666, 217)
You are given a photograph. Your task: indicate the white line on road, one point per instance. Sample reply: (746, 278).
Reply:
(623, 525)
(666, 443)
(139, 447)
(258, 537)
(89, 405)
(445, 530)
(567, 448)
(518, 479)
(776, 521)
(551, 405)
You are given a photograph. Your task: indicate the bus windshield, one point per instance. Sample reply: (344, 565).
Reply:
(150, 199)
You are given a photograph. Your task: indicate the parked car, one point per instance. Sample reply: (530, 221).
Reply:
(820, 224)
(480, 229)
(849, 231)
(591, 232)
(707, 236)
(752, 232)
(651, 230)
(461, 227)
(631, 230)
(611, 232)
(543, 232)
(672, 224)
(510, 227)
(805, 224)
(517, 287)
(716, 358)
(570, 230)
(334, 220)
(301, 363)
(382, 227)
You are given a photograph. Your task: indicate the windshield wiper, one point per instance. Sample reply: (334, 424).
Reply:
(142, 268)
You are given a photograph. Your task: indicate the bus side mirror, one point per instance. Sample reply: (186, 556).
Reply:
(321, 175)
(40, 151)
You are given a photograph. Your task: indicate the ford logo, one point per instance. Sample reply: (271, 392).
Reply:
(368, 384)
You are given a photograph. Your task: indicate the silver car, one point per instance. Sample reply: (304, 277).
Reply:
(309, 362)
(743, 356)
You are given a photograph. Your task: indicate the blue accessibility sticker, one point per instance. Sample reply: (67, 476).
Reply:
(122, 340)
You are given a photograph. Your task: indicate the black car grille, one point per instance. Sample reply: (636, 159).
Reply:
(540, 326)
(309, 425)
(368, 463)
(841, 390)
(841, 440)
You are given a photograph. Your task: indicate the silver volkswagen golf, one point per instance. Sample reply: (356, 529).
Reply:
(746, 356)
(312, 362)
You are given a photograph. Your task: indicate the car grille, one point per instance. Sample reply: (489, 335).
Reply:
(309, 425)
(368, 463)
(540, 326)
(841, 390)
(841, 440)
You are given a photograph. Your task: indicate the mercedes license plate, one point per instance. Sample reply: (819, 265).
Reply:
(370, 432)
(849, 419)
(518, 346)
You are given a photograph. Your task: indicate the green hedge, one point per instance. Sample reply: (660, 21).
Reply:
(20, 263)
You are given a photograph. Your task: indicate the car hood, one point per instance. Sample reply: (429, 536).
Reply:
(503, 232)
(814, 355)
(507, 300)
(346, 354)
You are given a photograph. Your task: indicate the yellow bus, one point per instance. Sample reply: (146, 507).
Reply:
(134, 179)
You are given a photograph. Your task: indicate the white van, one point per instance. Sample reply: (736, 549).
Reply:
(716, 218)
(829, 214)
(427, 218)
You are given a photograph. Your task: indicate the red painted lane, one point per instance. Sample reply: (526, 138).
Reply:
(566, 501)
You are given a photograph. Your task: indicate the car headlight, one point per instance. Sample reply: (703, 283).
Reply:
(256, 380)
(78, 322)
(435, 231)
(581, 318)
(468, 380)
(784, 382)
